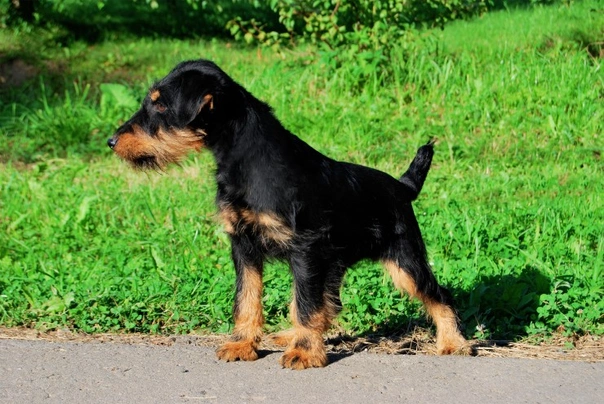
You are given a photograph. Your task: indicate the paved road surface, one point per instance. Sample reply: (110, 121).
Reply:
(68, 372)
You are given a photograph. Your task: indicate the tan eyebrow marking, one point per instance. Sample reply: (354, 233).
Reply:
(154, 95)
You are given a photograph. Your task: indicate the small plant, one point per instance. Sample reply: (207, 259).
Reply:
(570, 309)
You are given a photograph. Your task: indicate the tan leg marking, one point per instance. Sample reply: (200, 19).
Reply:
(305, 350)
(305, 347)
(248, 321)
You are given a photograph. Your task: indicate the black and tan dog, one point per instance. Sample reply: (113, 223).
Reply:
(280, 198)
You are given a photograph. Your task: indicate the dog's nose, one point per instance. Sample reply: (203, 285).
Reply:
(111, 142)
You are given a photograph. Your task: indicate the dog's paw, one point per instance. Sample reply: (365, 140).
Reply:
(239, 350)
(299, 359)
(282, 338)
(455, 345)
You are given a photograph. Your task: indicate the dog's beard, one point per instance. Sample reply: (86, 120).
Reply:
(146, 152)
(145, 163)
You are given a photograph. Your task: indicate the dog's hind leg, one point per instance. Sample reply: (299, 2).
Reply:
(411, 273)
(316, 303)
(438, 303)
(247, 310)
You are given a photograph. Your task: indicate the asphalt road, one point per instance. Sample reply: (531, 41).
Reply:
(69, 372)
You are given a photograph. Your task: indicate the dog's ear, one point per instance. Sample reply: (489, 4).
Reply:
(206, 102)
(193, 99)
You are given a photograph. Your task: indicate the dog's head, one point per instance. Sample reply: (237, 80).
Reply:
(174, 116)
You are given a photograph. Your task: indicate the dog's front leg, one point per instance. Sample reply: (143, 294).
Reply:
(247, 310)
(316, 302)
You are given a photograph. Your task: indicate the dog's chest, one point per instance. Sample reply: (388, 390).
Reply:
(267, 227)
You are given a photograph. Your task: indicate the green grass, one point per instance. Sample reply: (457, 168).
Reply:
(541, 28)
(512, 211)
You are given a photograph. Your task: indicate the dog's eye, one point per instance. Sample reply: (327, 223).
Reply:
(159, 107)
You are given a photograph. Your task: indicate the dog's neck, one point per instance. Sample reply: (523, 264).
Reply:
(256, 158)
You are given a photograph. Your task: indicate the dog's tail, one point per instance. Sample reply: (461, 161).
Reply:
(417, 172)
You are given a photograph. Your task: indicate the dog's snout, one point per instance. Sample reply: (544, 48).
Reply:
(111, 142)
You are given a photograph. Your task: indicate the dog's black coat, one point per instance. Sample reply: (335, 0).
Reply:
(332, 213)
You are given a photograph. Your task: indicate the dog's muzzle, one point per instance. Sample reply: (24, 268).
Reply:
(111, 142)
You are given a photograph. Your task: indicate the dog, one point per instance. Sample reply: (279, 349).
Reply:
(279, 198)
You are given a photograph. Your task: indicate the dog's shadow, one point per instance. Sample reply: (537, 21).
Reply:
(332, 357)
(501, 308)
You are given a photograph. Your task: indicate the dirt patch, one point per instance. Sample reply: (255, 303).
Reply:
(420, 342)
(14, 73)
(586, 348)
